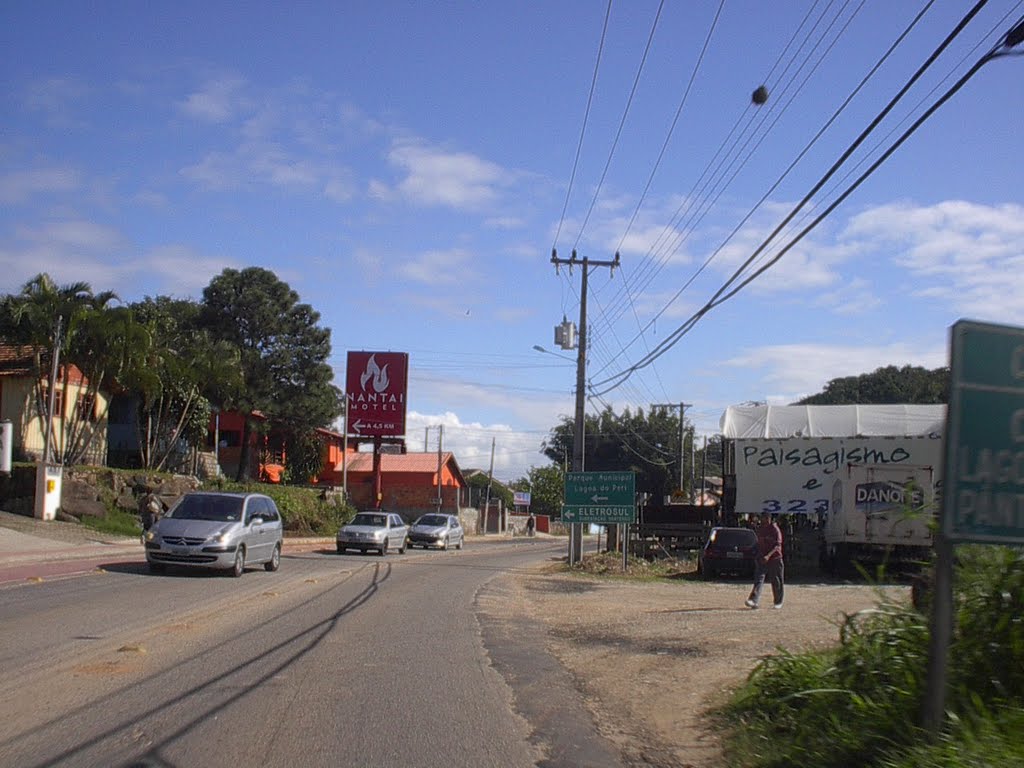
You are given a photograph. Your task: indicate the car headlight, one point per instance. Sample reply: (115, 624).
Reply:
(219, 538)
(379, 534)
(150, 536)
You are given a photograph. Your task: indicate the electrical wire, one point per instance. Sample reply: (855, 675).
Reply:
(622, 124)
(807, 147)
(723, 294)
(583, 130)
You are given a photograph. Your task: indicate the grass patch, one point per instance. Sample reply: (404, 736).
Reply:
(117, 523)
(609, 564)
(859, 704)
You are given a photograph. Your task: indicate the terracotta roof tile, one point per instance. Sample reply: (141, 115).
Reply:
(15, 360)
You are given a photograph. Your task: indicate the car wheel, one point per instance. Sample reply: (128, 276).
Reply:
(384, 548)
(461, 542)
(275, 560)
(444, 544)
(156, 567)
(341, 550)
(239, 567)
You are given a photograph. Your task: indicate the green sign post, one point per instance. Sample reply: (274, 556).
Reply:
(606, 498)
(983, 483)
(983, 494)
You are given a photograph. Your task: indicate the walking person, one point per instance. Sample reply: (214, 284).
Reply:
(769, 562)
(531, 523)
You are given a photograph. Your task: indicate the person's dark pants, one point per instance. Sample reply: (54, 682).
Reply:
(774, 571)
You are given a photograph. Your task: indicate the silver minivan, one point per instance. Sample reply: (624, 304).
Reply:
(225, 531)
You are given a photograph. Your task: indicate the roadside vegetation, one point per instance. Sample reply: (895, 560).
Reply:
(859, 703)
(305, 511)
(609, 564)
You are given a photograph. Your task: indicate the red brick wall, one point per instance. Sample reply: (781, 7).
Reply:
(410, 502)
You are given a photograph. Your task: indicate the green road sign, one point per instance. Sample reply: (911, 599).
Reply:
(983, 497)
(599, 497)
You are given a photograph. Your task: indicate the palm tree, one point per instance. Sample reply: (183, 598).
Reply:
(49, 318)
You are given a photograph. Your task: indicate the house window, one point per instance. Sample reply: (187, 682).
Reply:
(58, 401)
(87, 406)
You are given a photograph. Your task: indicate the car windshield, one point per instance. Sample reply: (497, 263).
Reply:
(375, 521)
(201, 507)
(432, 520)
(735, 538)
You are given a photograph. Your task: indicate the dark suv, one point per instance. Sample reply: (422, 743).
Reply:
(728, 550)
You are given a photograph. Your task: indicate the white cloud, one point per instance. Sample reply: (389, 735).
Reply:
(75, 235)
(55, 97)
(438, 267)
(797, 370)
(79, 250)
(269, 164)
(811, 264)
(217, 101)
(505, 222)
(965, 255)
(340, 190)
(19, 186)
(454, 179)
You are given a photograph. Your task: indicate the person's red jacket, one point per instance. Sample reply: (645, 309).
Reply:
(769, 542)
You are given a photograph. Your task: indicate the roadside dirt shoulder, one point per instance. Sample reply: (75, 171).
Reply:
(651, 658)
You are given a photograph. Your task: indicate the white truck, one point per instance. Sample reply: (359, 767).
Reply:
(879, 514)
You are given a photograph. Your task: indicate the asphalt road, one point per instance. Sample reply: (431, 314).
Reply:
(333, 660)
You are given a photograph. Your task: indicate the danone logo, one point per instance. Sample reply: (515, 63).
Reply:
(888, 494)
(375, 387)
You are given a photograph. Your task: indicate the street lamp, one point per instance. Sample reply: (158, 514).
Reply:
(539, 348)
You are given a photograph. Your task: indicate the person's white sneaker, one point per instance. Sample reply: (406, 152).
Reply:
(777, 605)
(750, 603)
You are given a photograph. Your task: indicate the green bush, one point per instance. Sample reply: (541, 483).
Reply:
(305, 511)
(859, 704)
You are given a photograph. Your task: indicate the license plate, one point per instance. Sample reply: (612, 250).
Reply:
(180, 550)
(736, 555)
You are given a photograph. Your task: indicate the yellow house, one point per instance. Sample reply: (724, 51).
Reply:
(72, 404)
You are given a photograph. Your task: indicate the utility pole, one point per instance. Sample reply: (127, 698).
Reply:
(487, 498)
(48, 436)
(576, 531)
(440, 440)
(682, 435)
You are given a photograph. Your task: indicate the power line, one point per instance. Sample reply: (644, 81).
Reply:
(807, 147)
(583, 130)
(622, 123)
(1007, 41)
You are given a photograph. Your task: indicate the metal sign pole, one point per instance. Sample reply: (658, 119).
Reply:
(934, 705)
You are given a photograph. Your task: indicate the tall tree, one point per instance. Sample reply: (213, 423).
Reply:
(910, 384)
(546, 486)
(647, 444)
(183, 371)
(80, 327)
(283, 352)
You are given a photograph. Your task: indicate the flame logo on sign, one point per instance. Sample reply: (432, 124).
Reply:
(376, 373)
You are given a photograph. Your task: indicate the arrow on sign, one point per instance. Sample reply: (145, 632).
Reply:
(358, 426)
(595, 498)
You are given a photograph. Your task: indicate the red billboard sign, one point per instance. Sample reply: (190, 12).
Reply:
(375, 385)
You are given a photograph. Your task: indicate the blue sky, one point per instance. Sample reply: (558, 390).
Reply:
(404, 166)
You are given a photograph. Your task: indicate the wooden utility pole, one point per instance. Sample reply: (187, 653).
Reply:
(576, 532)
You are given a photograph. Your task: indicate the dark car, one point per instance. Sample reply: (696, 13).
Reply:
(728, 550)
